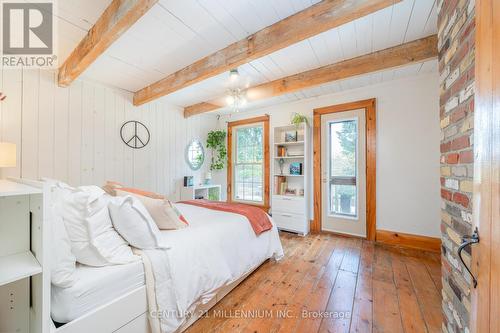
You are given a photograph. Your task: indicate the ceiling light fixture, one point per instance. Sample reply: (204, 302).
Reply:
(235, 95)
(234, 75)
(236, 99)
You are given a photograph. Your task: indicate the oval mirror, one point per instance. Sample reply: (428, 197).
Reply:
(195, 154)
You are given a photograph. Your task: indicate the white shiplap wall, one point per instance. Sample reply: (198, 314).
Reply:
(72, 134)
(408, 187)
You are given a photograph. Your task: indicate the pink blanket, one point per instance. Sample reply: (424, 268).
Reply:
(258, 218)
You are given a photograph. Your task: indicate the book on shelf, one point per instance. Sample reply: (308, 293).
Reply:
(283, 188)
(280, 184)
(296, 168)
(281, 151)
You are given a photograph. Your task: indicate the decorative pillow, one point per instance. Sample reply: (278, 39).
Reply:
(165, 215)
(142, 192)
(179, 214)
(132, 220)
(111, 187)
(94, 242)
(63, 261)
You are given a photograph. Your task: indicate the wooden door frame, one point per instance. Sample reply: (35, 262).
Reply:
(371, 163)
(262, 119)
(485, 299)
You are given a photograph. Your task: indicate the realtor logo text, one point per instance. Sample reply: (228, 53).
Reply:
(28, 34)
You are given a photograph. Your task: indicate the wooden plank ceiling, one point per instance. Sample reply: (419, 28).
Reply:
(175, 34)
(117, 18)
(411, 52)
(307, 23)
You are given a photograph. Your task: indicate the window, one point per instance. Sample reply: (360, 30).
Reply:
(249, 161)
(248, 164)
(343, 167)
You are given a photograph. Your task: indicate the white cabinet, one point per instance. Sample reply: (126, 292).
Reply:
(289, 204)
(209, 192)
(291, 173)
(289, 222)
(24, 278)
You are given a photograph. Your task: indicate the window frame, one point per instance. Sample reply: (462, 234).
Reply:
(231, 127)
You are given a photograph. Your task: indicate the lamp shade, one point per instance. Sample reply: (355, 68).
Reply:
(7, 155)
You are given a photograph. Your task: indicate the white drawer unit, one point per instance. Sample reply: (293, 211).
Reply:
(294, 205)
(291, 222)
(138, 325)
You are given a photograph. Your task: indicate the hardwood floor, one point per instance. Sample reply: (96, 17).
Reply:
(328, 283)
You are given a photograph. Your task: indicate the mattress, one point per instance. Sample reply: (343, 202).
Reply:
(95, 286)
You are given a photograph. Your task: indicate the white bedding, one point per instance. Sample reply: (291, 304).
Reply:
(215, 250)
(94, 287)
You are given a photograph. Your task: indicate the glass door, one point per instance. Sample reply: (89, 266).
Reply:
(344, 172)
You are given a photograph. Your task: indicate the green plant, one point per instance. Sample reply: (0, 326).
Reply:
(298, 119)
(216, 141)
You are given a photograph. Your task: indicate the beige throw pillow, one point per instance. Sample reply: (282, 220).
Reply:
(165, 215)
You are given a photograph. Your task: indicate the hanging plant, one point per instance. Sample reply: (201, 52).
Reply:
(216, 141)
(298, 119)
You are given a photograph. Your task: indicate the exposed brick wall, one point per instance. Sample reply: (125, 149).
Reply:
(456, 27)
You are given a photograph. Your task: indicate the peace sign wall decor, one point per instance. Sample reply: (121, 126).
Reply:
(135, 134)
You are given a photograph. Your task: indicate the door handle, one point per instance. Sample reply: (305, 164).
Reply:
(468, 240)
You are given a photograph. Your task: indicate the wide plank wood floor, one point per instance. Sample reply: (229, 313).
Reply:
(328, 283)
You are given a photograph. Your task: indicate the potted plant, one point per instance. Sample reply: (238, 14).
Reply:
(345, 202)
(216, 142)
(298, 119)
(347, 194)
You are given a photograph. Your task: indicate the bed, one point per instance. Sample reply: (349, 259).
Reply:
(94, 287)
(206, 261)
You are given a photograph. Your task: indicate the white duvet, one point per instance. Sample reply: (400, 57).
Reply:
(215, 250)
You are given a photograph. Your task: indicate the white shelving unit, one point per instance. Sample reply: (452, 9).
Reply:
(24, 283)
(291, 211)
(209, 192)
(292, 143)
(18, 266)
(289, 157)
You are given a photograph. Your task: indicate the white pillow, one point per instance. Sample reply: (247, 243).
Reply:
(63, 261)
(94, 242)
(133, 222)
